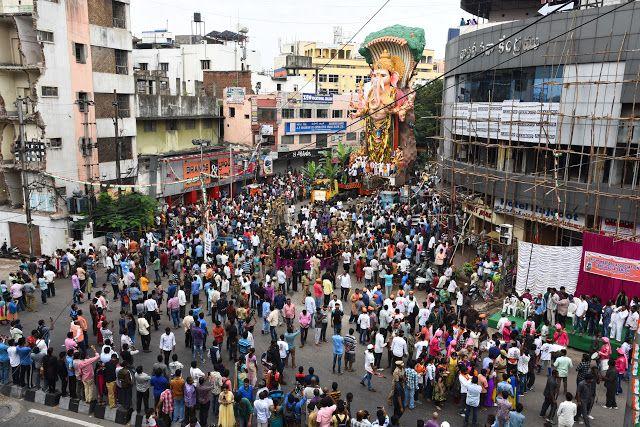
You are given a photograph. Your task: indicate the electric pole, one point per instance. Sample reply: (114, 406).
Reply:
(23, 175)
(116, 116)
(87, 147)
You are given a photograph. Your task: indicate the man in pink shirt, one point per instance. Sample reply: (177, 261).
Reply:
(289, 313)
(85, 373)
(69, 342)
(325, 413)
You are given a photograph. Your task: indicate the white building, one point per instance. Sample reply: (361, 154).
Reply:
(185, 59)
(265, 82)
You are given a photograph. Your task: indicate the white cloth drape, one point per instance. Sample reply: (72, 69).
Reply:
(541, 267)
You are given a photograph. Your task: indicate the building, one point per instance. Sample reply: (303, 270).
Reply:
(167, 126)
(347, 70)
(184, 59)
(278, 81)
(294, 127)
(68, 63)
(539, 131)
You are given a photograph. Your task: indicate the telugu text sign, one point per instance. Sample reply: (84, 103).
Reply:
(612, 266)
(192, 169)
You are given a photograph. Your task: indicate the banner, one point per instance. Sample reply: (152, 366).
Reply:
(612, 266)
(235, 95)
(313, 98)
(314, 127)
(192, 169)
(224, 167)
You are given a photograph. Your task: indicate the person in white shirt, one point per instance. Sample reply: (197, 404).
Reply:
(632, 322)
(399, 347)
(151, 310)
(581, 310)
(345, 285)
(195, 372)
(167, 344)
(263, 407)
(567, 411)
(420, 346)
(364, 322)
(368, 367)
(423, 314)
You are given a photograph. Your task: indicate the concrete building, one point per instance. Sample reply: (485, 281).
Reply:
(167, 126)
(64, 61)
(347, 70)
(539, 131)
(264, 82)
(294, 127)
(184, 59)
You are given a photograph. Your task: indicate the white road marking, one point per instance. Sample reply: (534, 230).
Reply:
(63, 418)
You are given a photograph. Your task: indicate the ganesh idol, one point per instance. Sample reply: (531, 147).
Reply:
(386, 102)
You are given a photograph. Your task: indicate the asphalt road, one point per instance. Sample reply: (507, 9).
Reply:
(318, 357)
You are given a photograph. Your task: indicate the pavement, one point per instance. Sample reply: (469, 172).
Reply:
(319, 357)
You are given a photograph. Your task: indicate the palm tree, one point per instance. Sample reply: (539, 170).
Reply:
(329, 169)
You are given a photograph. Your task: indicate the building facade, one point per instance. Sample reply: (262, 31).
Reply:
(65, 63)
(539, 129)
(347, 70)
(184, 59)
(294, 127)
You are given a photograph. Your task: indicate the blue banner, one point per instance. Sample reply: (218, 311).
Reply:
(314, 127)
(313, 98)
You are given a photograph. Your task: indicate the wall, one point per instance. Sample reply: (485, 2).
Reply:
(216, 81)
(53, 233)
(237, 129)
(290, 84)
(163, 140)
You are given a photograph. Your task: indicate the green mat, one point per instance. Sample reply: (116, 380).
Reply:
(577, 341)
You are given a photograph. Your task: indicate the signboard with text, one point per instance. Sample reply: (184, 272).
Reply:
(313, 127)
(612, 266)
(235, 95)
(192, 168)
(312, 98)
(224, 167)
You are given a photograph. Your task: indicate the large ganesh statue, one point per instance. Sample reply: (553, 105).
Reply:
(386, 102)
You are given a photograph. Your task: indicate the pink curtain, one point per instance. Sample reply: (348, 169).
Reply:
(604, 287)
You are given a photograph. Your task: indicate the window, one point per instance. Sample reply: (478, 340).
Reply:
(333, 91)
(207, 124)
(122, 62)
(80, 52)
(351, 136)
(119, 14)
(305, 113)
(190, 124)
(322, 78)
(205, 64)
(286, 139)
(171, 124)
(322, 113)
(287, 113)
(295, 88)
(164, 66)
(321, 141)
(278, 86)
(336, 114)
(266, 114)
(149, 126)
(123, 105)
(83, 102)
(45, 36)
(304, 139)
(246, 116)
(143, 66)
(49, 91)
(232, 111)
(333, 78)
(55, 142)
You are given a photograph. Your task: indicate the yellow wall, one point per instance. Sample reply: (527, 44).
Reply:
(163, 141)
(348, 69)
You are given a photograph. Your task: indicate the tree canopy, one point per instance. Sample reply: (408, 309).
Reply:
(427, 108)
(131, 211)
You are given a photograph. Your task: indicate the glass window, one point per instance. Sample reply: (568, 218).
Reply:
(172, 124)
(286, 139)
(351, 136)
(304, 139)
(164, 66)
(322, 78)
(205, 64)
(266, 114)
(333, 78)
(305, 113)
(49, 91)
(321, 141)
(287, 113)
(45, 36)
(80, 53)
(322, 113)
(336, 114)
(149, 126)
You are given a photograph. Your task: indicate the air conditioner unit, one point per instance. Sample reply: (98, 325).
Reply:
(506, 233)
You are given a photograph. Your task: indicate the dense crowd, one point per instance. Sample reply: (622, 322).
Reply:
(380, 280)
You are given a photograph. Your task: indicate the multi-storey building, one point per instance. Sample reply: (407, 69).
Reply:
(61, 63)
(539, 119)
(184, 59)
(339, 67)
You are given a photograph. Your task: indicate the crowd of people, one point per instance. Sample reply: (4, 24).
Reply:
(281, 270)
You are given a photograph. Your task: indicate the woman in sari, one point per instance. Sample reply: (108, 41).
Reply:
(226, 399)
(252, 366)
(491, 386)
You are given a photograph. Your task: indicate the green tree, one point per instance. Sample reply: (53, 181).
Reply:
(131, 211)
(343, 152)
(329, 168)
(427, 108)
(310, 171)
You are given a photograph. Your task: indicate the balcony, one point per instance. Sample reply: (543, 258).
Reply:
(12, 7)
(185, 107)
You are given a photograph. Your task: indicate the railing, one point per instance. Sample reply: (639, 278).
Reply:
(122, 69)
(119, 23)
